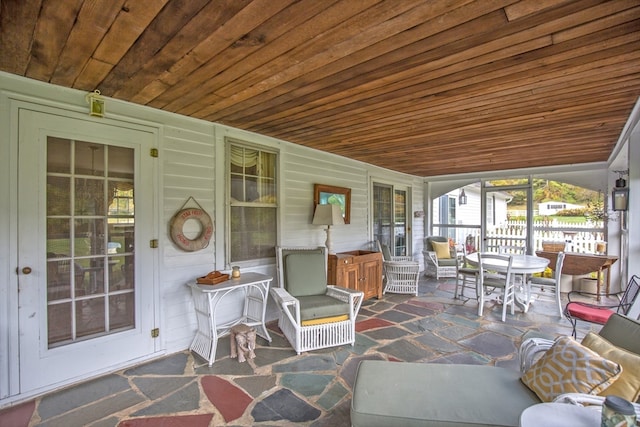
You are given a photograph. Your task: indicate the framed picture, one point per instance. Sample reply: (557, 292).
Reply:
(329, 194)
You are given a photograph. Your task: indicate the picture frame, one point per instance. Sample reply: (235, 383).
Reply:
(341, 196)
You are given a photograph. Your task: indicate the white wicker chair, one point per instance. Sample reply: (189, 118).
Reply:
(434, 266)
(312, 320)
(402, 277)
(386, 254)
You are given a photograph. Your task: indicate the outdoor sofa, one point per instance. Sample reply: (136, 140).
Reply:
(427, 394)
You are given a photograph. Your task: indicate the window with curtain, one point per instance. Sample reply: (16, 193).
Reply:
(253, 201)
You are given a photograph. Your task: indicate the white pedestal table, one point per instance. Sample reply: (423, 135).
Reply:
(521, 265)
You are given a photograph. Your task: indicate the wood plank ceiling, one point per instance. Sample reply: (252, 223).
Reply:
(421, 87)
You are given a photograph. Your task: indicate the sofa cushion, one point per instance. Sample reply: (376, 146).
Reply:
(628, 385)
(305, 274)
(442, 250)
(429, 394)
(569, 367)
(623, 332)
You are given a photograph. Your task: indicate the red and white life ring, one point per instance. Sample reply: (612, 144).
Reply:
(177, 234)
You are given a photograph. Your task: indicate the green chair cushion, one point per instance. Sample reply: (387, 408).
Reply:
(305, 274)
(545, 281)
(386, 253)
(447, 262)
(428, 240)
(321, 306)
(430, 394)
(622, 332)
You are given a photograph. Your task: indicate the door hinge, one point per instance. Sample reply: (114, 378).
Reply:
(154, 152)
(153, 243)
(155, 333)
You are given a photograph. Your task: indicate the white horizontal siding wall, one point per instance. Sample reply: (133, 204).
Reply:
(187, 156)
(191, 163)
(301, 169)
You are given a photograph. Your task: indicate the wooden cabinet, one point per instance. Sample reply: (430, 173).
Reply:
(360, 270)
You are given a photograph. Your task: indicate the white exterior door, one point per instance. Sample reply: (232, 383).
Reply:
(86, 270)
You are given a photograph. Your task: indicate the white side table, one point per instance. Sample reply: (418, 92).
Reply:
(211, 299)
(559, 415)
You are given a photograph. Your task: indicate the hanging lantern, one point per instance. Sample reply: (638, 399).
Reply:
(462, 198)
(96, 103)
(620, 195)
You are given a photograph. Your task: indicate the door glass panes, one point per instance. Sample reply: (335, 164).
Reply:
(400, 221)
(390, 225)
(383, 214)
(90, 240)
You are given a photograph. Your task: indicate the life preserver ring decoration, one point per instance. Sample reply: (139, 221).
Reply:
(176, 231)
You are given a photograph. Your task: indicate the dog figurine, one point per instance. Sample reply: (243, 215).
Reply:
(243, 342)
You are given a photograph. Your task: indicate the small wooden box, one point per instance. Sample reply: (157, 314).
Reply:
(212, 280)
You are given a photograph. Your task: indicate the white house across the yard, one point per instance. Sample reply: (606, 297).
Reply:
(553, 207)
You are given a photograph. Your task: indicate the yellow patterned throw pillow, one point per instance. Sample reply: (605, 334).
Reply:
(569, 367)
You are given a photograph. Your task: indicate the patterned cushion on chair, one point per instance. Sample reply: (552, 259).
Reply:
(569, 367)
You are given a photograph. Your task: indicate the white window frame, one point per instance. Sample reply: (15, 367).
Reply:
(231, 203)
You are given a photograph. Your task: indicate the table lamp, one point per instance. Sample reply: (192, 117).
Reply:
(327, 214)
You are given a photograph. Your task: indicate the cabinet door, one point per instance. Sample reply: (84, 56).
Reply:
(348, 276)
(371, 280)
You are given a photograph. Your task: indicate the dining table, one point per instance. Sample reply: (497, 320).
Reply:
(521, 266)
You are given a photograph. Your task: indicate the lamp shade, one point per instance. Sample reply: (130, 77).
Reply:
(327, 214)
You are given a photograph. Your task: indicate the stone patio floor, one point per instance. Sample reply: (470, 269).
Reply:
(280, 388)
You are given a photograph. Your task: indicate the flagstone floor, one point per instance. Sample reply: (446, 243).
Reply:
(280, 388)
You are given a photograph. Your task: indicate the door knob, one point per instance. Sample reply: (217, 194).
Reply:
(26, 270)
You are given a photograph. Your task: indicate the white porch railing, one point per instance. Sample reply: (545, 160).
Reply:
(511, 237)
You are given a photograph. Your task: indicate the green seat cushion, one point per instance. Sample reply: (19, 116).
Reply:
(321, 306)
(543, 281)
(305, 274)
(429, 394)
(447, 262)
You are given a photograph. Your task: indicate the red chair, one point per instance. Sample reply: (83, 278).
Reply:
(599, 314)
